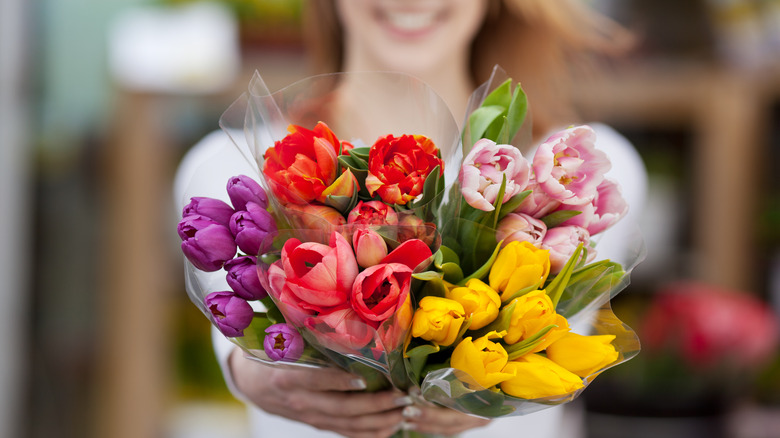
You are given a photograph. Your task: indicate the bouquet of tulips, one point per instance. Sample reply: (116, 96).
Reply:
(446, 264)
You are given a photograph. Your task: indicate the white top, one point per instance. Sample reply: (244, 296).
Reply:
(224, 160)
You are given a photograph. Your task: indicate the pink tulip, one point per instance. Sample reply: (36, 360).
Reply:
(413, 253)
(340, 330)
(372, 213)
(519, 227)
(370, 247)
(380, 290)
(562, 242)
(610, 207)
(294, 309)
(569, 167)
(320, 275)
(538, 204)
(484, 169)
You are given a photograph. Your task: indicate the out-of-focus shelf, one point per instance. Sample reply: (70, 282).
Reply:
(727, 111)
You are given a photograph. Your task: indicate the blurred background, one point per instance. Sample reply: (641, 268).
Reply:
(99, 100)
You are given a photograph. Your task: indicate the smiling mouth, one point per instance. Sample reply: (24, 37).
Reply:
(410, 23)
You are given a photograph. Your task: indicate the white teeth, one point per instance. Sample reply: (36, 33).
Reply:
(411, 21)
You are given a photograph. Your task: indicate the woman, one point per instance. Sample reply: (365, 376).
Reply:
(452, 45)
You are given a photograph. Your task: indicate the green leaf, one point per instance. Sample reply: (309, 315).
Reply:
(448, 255)
(353, 163)
(556, 218)
(255, 333)
(427, 275)
(360, 153)
(480, 120)
(429, 188)
(516, 112)
(452, 272)
(526, 345)
(512, 204)
(483, 270)
(418, 357)
(501, 96)
(559, 283)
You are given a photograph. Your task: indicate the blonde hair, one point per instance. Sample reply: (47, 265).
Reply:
(544, 44)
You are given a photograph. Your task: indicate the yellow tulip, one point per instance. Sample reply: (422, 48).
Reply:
(533, 312)
(518, 266)
(583, 355)
(479, 301)
(482, 359)
(536, 376)
(438, 320)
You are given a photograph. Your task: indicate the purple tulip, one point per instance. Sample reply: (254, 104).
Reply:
(243, 279)
(230, 313)
(210, 208)
(283, 343)
(251, 227)
(243, 189)
(205, 242)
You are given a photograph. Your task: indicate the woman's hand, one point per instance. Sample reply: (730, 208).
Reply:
(328, 399)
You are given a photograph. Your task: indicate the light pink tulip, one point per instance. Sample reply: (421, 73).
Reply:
(610, 207)
(320, 275)
(519, 227)
(538, 204)
(569, 167)
(483, 171)
(370, 247)
(562, 241)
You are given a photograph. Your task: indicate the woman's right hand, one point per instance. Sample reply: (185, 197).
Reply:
(327, 399)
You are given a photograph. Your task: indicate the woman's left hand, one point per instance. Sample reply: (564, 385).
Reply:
(439, 420)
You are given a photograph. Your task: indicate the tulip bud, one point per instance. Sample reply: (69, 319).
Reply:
(243, 279)
(536, 376)
(206, 243)
(533, 312)
(251, 227)
(519, 227)
(480, 302)
(242, 189)
(230, 313)
(438, 320)
(412, 227)
(583, 355)
(483, 360)
(211, 208)
(370, 247)
(518, 266)
(283, 343)
(562, 242)
(372, 213)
